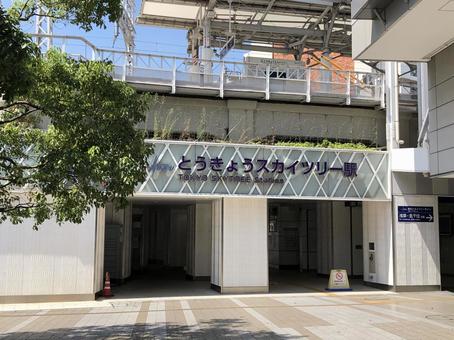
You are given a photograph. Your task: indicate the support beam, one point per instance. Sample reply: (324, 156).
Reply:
(330, 27)
(315, 24)
(268, 29)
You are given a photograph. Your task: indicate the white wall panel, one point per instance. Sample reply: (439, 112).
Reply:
(417, 245)
(245, 260)
(216, 243)
(99, 255)
(441, 103)
(202, 256)
(53, 260)
(324, 239)
(377, 228)
(341, 236)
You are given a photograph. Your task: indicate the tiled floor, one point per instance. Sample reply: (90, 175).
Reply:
(355, 315)
(165, 283)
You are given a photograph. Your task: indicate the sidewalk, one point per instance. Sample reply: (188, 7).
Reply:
(347, 315)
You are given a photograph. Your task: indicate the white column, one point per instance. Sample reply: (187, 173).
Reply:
(99, 249)
(417, 251)
(199, 247)
(216, 244)
(392, 105)
(377, 234)
(324, 237)
(244, 248)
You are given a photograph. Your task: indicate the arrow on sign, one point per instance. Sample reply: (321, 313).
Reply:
(431, 218)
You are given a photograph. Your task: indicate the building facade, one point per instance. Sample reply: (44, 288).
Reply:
(231, 199)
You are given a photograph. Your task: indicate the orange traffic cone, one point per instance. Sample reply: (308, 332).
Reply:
(107, 292)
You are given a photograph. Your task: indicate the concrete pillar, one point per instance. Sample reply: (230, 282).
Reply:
(341, 236)
(324, 237)
(99, 249)
(244, 246)
(199, 247)
(216, 244)
(378, 244)
(392, 105)
(122, 217)
(417, 251)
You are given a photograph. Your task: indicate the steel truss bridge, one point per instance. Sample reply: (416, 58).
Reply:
(282, 26)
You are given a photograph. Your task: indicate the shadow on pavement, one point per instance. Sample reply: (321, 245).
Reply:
(214, 329)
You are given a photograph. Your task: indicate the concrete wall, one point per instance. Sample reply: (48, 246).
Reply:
(122, 217)
(308, 238)
(417, 253)
(99, 249)
(367, 32)
(441, 117)
(324, 238)
(177, 237)
(416, 245)
(244, 120)
(199, 242)
(216, 243)
(377, 229)
(244, 254)
(51, 264)
(341, 236)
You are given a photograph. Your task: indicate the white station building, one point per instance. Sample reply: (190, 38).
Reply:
(219, 213)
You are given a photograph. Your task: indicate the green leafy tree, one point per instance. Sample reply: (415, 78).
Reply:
(68, 131)
(85, 14)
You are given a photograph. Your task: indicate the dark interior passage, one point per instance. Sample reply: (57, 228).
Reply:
(306, 239)
(168, 250)
(446, 215)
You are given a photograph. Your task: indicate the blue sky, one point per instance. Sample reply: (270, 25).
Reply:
(149, 39)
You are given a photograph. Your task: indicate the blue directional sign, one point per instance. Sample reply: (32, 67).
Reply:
(415, 214)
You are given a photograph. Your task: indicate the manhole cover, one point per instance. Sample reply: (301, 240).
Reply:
(449, 317)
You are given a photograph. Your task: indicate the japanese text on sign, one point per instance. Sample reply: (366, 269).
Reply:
(276, 166)
(415, 214)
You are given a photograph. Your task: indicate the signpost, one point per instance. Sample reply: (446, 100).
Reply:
(415, 214)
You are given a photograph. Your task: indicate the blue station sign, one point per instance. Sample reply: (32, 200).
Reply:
(415, 214)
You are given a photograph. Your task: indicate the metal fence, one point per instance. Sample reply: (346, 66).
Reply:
(221, 76)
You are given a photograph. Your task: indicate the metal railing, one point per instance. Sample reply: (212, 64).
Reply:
(171, 73)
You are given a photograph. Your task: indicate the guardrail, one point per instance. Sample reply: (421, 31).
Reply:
(176, 74)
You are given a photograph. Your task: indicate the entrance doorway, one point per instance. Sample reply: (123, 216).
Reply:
(446, 218)
(306, 239)
(163, 248)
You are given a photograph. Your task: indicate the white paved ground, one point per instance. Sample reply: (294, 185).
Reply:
(361, 315)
